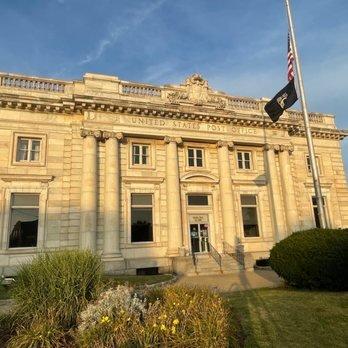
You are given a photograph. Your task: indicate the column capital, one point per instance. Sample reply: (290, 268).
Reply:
(91, 133)
(112, 135)
(222, 143)
(289, 148)
(272, 147)
(177, 140)
(279, 147)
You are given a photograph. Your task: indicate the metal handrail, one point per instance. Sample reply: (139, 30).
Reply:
(194, 259)
(215, 255)
(228, 248)
(236, 252)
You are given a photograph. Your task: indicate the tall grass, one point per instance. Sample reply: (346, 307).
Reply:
(57, 285)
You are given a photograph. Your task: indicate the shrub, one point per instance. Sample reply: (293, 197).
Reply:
(41, 333)
(178, 317)
(316, 258)
(57, 285)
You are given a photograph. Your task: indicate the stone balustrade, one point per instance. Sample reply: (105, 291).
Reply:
(141, 90)
(243, 104)
(32, 84)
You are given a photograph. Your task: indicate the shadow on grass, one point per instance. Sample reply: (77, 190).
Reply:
(254, 309)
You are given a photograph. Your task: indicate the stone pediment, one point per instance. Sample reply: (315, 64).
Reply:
(199, 177)
(195, 90)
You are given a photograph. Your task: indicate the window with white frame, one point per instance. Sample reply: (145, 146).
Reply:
(24, 220)
(141, 217)
(249, 215)
(309, 168)
(244, 160)
(195, 157)
(28, 149)
(140, 154)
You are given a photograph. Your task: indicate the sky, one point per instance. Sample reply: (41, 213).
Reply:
(238, 46)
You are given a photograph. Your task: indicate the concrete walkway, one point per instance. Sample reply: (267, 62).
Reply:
(236, 281)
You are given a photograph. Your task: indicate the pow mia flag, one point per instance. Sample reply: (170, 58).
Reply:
(287, 96)
(281, 101)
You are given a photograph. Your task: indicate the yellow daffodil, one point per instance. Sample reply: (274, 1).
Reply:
(163, 327)
(173, 329)
(105, 320)
(176, 321)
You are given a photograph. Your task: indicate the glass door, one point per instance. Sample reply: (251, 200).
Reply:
(199, 233)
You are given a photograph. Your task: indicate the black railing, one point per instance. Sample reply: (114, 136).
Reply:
(236, 252)
(215, 255)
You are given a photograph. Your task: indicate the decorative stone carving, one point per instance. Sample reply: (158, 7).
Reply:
(101, 135)
(106, 135)
(177, 140)
(219, 102)
(222, 143)
(197, 89)
(175, 97)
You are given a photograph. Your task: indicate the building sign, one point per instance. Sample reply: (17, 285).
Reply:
(151, 122)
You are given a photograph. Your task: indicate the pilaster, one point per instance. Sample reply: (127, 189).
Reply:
(88, 222)
(274, 192)
(226, 192)
(288, 190)
(173, 196)
(112, 196)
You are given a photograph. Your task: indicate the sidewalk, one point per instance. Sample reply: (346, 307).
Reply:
(235, 282)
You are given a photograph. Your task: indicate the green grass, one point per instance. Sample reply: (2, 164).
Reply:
(287, 317)
(136, 280)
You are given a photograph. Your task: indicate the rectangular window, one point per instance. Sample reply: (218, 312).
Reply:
(244, 160)
(197, 200)
(316, 213)
(24, 220)
(195, 157)
(309, 169)
(249, 214)
(141, 218)
(28, 149)
(140, 154)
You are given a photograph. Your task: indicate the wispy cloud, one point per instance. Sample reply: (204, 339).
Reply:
(117, 32)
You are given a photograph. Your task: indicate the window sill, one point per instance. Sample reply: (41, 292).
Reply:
(247, 171)
(20, 250)
(28, 164)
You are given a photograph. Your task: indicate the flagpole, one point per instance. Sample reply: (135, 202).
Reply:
(313, 162)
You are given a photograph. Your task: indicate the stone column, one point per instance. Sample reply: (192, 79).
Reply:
(173, 196)
(288, 190)
(88, 222)
(226, 192)
(274, 193)
(112, 195)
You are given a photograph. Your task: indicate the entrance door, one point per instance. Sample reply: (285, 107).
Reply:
(199, 233)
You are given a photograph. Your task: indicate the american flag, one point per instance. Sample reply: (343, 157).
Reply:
(290, 60)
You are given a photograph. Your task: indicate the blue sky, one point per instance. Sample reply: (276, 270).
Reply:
(238, 46)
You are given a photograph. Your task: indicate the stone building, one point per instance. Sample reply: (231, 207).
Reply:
(156, 178)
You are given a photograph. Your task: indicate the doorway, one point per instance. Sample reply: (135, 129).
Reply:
(199, 233)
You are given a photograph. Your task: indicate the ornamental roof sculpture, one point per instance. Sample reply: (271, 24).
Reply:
(195, 90)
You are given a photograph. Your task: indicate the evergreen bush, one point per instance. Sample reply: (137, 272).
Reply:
(315, 259)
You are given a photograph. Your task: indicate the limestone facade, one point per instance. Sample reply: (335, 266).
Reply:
(91, 155)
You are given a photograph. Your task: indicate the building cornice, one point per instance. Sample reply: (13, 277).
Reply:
(184, 102)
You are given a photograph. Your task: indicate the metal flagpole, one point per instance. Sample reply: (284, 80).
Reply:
(313, 162)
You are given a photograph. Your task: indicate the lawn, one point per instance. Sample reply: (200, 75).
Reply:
(285, 317)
